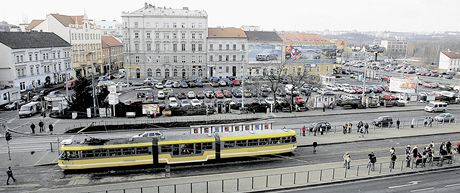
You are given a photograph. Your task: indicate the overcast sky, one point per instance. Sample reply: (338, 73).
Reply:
(299, 15)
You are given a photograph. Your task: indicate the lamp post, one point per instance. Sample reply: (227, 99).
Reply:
(88, 57)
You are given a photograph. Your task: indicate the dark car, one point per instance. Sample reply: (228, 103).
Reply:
(140, 95)
(215, 84)
(383, 121)
(200, 95)
(184, 85)
(192, 84)
(264, 94)
(326, 126)
(181, 96)
(199, 84)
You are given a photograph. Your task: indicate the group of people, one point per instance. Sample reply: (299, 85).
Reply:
(362, 128)
(428, 121)
(41, 126)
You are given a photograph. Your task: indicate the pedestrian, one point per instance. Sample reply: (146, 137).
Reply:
(393, 161)
(361, 131)
(449, 147)
(344, 127)
(51, 127)
(397, 123)
(41, 124)
(350, 125)
(324, 108)
(366, 127)
(315, 130)
(412, 123)
(430, 121)
(32, 127)
(315, 144)
(321, 130)
(408, 160)
(424, 158)
(415, 153)
(9, 172)
(346, 160)
(372, 161)
(392, 150)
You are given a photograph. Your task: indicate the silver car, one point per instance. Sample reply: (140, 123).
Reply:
(445, 117)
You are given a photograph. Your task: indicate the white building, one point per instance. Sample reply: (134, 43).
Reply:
(227, 52)
(162, 42)
(82, 34)
(113, 28)
(394, 48)
(449, 61)
(30, 60)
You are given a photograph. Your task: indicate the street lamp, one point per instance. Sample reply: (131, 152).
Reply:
(88, 59)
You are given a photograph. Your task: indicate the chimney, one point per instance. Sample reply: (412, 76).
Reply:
(185, 8)
(146, 5)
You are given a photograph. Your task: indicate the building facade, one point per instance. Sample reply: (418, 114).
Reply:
(227, 52)
(166, 43)
(30, 60)
(112, 54)
(264, 53)
(394, 48)
(112, 27)
(82, 34)
(449, 61)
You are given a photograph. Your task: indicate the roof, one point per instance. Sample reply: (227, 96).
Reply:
(66, 20)
(452, 54)
(22, 40)
(301, 37)
(267, 36)
(110, 41)
(228, 32)
(152, 10)
(34, 23)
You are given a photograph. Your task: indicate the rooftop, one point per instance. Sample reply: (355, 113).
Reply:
(151, 10)
(452, 54)
(23, 40)
(228, 32)
(67, 20)
(268, 36)
(110, 41)
(34, 23)
(302, 37)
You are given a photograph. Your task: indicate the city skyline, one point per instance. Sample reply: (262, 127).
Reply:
(361, 15)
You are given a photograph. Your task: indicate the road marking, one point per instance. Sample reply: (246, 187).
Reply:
(405, 185)
(451, 185)
(421, 190)
(44, 155)
(11, 120)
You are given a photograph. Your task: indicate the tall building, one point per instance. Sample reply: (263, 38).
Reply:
(227, 52)
(395, 48)
(264, 52)
(449, 61)
(162, 42)
(112, 27)
(30, 60)
(112, 53)
(82, 34)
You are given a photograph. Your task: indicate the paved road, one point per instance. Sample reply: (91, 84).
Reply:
(434, 182)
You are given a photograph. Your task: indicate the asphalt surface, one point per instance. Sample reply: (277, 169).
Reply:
(444, 181)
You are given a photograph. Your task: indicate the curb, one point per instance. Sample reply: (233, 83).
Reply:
(354, 180)
(379, 139)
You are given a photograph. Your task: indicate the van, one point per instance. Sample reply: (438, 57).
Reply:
(30, 109)
(436, 107)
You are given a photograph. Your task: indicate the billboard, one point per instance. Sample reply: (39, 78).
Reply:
(311, 54)
(403, 85)
(265, 53)
(148, 109)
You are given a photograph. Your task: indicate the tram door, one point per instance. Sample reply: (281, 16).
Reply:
(217, 147)
(155, 151)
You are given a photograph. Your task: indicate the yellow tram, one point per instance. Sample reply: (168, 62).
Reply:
(174, 149)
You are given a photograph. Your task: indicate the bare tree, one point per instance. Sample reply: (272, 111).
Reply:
(276, 78)
(299, 80)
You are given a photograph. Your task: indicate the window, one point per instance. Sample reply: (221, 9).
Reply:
(36, 57)
(220, 46)
(193, 59)
(166, 59)
(234, 57)
(227, 58)
(148, 35)
(242, 57)
(234, 46)
(100, 153)
(200, 47)
(227, 69)
(175, 73)
(157, 35)
(136, 35)
(157, 60)
(241, 143)
(38, 69)
(149, 72)
(229, 144)
(166, 73)
(253, 142)
(243, 47)
(174, 35)
(136, 47)
(17, 59)
(183, 25)
(166, 148)
(220, 58)
(263, 141)
(183, 59)
(175, 59)
(183, 47)
(193, 47)
(114, 152)
(174, 47)
(137, 59)
(211, 58)
(210, 47)
(227, 47)
(200, 59)
(157, 47)
(174, 25)
(200, 35)
(275, 141)
(30, 57)
(158, 72)
(193, 25)
(183, 36)
(193, 35)
(31, 70)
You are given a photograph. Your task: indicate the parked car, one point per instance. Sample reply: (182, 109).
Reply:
(181, 96)
(383, 121)
(199, 84)
(196, 102)
(326, 126)
(215, 84)
(176, 84)
(227, 94)
(169, 84)
(184, 103)
(150, 81)
(236, 82)
(148, 134)
(218, 94)
(173, 102)
(159, 85)
(191, 95)
(200, 95)
(445, 117)
(183, 84)
(161, 95)
(209, 94)
(14, 105)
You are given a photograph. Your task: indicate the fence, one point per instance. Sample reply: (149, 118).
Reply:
(288, 179)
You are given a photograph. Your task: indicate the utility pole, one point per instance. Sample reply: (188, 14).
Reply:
(242, 87)
(364, 85)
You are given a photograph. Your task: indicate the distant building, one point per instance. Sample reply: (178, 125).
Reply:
(112, 53)
(82, 34)
(167, 43)
(449, 61)
(227, 52)
(250, 28)
(112, 27)
(306, 52)
(30, 60)
(264, 52)
(394, 48)
(6, 27)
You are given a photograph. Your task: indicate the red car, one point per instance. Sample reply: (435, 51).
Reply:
(236, 83)
(299, 99)
(218, 94)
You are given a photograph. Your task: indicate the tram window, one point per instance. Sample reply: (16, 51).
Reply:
(100, 152)
(142, 150)
(166, 148)
(73, 155)
(263, 141)
(198, 148)
(88, 153)
(229, 144)
(114, 152)
(252, 142)
(286, 140)
(241, 143)
(128, 151)
(294, 139)
(275, 140)
(186, 149)
(207, 146)
(175, 149)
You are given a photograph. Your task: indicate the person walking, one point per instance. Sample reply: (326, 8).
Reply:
(344, 127)
(324, 108)
(412, 123)
(366, 127)
(393, 161)
(392, 150)
(346, 160)
(350, 125)
(41, 125)
(9, 172)
(32, 128)
(424, 157)
(361, 131)
(449, 147)
(51, 127)
(398, 123)
(372, 161)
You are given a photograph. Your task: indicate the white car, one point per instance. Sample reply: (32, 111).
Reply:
(173, 102)
(331, 87)
(184, 103)
(122, 84)
(349, 90)
(270, 100)
(169, 84)
(196, 102)
(148, 134)
(161, 95)
(159, 85)
(191, 95)
(150, 81)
